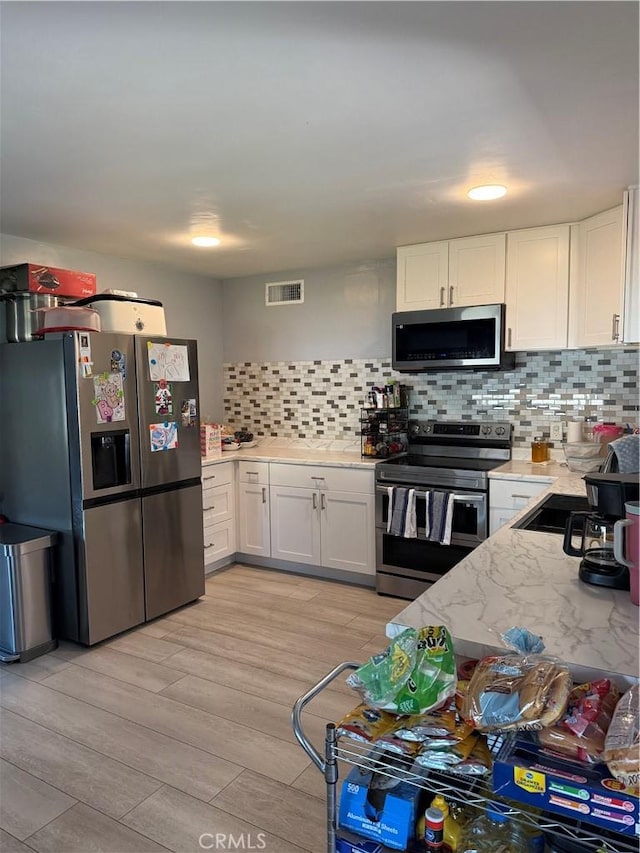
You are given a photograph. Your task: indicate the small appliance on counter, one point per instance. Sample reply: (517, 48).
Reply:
(607, 494)
(129, 315)
(27, 290)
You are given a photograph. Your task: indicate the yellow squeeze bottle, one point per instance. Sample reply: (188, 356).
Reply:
(452, 829)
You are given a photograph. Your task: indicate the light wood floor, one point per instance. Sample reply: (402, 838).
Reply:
(181, 727)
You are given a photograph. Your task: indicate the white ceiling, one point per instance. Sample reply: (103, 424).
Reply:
(309, 133)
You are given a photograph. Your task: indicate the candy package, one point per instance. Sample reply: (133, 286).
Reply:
(580, 733)
(365, 724)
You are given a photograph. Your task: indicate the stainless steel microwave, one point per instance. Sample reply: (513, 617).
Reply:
(450, 339)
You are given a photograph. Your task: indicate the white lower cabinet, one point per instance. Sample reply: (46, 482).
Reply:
(218, 512)
(323, 516)
(254, 525)
(507, 497)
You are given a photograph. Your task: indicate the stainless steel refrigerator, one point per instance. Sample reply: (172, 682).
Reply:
(100, 441)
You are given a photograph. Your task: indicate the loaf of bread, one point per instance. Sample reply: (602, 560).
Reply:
(622, 743)
(514, 693)
(580, 733)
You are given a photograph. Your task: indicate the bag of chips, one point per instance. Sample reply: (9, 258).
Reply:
(365, 724)
(414, 674)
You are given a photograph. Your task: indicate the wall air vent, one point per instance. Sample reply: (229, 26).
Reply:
(284, 292)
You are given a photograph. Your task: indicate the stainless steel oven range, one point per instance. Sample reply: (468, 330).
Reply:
(443, 456)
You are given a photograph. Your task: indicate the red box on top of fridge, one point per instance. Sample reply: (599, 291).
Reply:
(33, 278)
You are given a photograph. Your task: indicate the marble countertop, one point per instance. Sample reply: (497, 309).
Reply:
(295, 455)
(524, 578)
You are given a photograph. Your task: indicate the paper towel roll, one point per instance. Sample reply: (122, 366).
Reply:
(574, 431)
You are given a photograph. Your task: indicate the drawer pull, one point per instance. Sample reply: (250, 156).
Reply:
(212, 477)
(521, 497)
(205, 508)
(210, 545)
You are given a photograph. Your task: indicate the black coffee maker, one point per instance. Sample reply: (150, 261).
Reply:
(607, 494)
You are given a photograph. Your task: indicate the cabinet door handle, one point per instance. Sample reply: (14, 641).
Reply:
(264, 495)
(451, 295)
(323, 504)
(509, 338)
(441, 296)
(315, 501)
(615, 330)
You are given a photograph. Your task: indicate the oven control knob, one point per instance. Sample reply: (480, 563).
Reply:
(427, 427)
(500, 430)
(486, 429)
(414, 427)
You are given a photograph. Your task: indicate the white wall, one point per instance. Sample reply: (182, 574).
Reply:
(192, 303)
(346, 314)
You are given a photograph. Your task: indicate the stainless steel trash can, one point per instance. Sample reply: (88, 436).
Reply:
(25, 592)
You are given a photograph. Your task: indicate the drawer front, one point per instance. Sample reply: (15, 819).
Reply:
(513, 494)
(217, 504)
(253, 472)
(217, 475)
(323, 477)
(219, 541)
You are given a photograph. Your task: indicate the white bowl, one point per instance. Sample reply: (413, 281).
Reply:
(582, 449)
(584, 466)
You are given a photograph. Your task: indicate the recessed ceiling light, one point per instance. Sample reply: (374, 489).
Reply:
(487, 192)
(205, 242)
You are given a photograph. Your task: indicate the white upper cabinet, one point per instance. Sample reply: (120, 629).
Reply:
(422, 276)
(631, 224)
(537, 288)
(597, 286)
(466, 271)
(477, 270)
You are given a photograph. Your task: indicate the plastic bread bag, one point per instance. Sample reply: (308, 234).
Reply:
(622, 742)
(580, 733)
(365, 724)
(414, 674)
(511, 692)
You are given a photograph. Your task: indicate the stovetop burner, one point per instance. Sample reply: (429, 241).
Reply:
(422, 461)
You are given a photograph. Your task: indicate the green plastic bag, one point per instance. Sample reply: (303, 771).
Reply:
(414, 674)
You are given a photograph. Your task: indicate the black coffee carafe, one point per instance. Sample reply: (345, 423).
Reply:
(607, 495)
(598, 565)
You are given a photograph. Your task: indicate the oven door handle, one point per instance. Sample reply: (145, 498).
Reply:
(420, 493)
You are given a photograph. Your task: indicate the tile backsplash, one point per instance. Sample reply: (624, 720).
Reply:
(321, 400)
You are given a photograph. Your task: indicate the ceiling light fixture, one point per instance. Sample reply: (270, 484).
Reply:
(487, 192)
(205, 242)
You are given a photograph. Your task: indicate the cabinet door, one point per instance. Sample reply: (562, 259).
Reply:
(348, 531)
(631, 219)
(422, 276)
(596, 300)
(295, 524)
(498, 518)
(217, 504)
(253, 520)
(219, 541)
(477, 270)
(537, 288)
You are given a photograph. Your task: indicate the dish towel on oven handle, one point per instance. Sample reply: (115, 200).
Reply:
(438, 516)
(401, 515)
